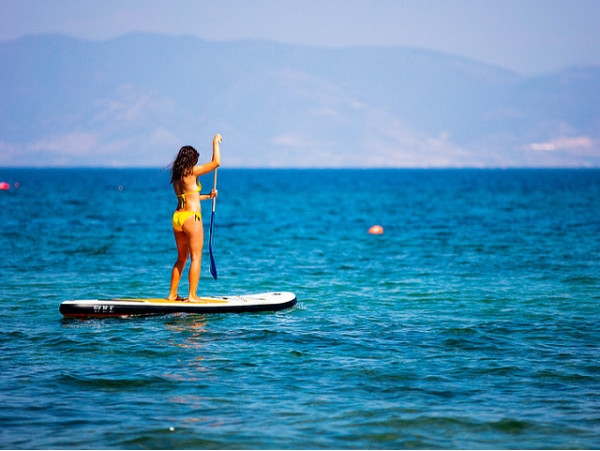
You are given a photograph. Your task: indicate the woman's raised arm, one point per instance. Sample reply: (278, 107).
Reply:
(201, 169)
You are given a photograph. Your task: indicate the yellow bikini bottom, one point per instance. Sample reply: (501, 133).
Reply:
(179, 217)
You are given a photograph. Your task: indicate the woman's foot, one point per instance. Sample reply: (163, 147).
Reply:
(175, 298)
(193, 299)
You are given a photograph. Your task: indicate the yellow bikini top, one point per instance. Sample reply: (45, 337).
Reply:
(181, 197)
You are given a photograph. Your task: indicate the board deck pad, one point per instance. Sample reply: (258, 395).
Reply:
(209, 304)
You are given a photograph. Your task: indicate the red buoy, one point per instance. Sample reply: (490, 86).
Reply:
(376, 230)
(4, 186)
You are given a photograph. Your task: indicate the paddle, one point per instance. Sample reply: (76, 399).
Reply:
(213, 267)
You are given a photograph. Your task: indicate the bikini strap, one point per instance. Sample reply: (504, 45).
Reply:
(182, 196)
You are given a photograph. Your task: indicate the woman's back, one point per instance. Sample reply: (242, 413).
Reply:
(187, 190)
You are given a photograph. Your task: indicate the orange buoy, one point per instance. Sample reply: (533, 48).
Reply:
(4, 186)
(376, 230)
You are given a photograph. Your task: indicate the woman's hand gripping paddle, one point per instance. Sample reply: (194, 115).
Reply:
(213, 267)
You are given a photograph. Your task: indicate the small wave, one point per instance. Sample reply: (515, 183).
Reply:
(582, 280)
(171, 436)
(569, 377)
(460, 331)
(112, 383)
(511, 426)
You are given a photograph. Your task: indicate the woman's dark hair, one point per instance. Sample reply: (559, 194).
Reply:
(183, 164)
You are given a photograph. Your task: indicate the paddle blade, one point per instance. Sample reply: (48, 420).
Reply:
(213, 267)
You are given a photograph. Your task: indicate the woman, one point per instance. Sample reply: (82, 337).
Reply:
(187, 219)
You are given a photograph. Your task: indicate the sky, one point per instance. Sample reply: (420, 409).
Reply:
(530, 37)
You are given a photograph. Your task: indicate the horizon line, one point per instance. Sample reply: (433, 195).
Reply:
(321, 168)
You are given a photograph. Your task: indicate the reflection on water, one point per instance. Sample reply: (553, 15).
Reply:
(197, 405)
(191, 328)
(191, 335)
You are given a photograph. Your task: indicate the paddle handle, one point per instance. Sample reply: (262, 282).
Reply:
(214, 187)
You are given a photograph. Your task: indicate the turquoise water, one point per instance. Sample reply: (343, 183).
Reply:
(472, 322)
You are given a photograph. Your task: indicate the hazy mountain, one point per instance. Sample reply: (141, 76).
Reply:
(135, 100)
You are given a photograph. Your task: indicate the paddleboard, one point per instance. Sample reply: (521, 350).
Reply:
(213, 304)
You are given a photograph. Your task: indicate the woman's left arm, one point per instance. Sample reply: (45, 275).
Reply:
(202, 169)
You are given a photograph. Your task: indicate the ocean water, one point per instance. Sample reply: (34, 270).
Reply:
(472, 322)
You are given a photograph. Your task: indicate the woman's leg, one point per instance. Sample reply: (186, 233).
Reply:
(195, 236)
(182, 255)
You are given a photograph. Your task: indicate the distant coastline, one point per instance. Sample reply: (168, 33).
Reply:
(136, 99)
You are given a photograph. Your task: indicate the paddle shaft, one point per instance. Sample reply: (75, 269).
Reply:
(213, 266)
(214, 187)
